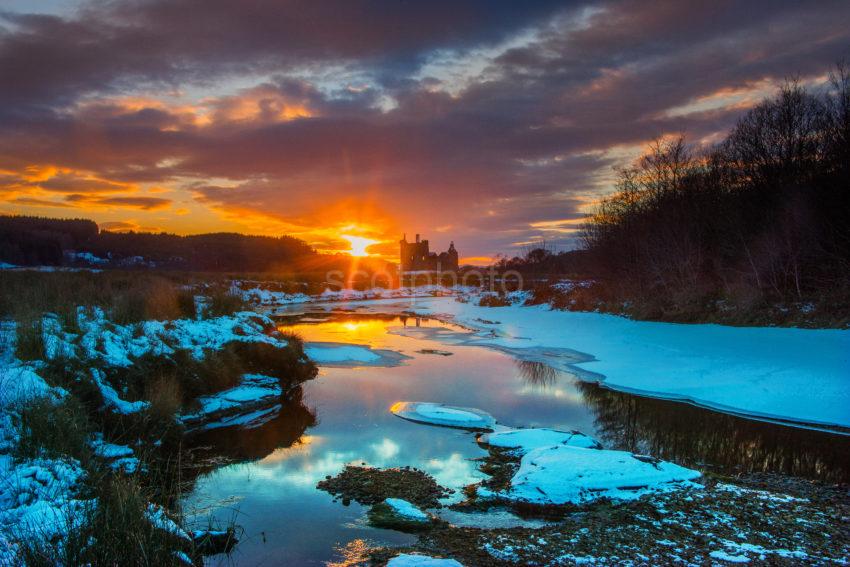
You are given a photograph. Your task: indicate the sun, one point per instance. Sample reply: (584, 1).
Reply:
(359, 244)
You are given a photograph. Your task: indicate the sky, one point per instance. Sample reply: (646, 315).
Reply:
(493, 123)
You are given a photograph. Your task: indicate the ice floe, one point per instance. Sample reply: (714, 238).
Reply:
(789, 374)
(350, 355)
(416, 560)
(446, 416)
(562, 474)
(525, 440)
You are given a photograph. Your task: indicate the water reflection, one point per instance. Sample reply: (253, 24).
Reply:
(238, 444)
(537, 374)
(727, 443)
(281, 461)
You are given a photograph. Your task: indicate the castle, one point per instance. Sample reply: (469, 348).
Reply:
(415, 257)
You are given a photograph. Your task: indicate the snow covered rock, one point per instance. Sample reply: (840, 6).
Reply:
(20, 384)
(525, 440)
(398, 514)
(416, 560)
(119, 457)
(37, 497)
(112, 401)
(446, 416)
(253, 397)
(406, 510)
(562, 474)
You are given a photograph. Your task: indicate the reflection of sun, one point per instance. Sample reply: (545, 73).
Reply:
(359, 244)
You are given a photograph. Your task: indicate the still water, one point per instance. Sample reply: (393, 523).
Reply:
(343, 417)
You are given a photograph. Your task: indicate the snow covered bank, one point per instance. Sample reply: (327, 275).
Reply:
(797, 375)
(243, 404)
(117, 345)
(40, 497)
(268, 297)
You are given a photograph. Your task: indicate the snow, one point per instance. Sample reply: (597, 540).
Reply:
(406, 510)
(37, 498)
(343, 353)
(262, 296)
(256, 391)
(112, 401)
(85, 257)
(525, 440)
(447, 416)
(20, 384)
(798, 375)
(158, 519)
(351, 355)
(416, 560)
(723, 556)
(562, 474)
(117, 345)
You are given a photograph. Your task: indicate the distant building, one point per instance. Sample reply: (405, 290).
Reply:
(415, 257)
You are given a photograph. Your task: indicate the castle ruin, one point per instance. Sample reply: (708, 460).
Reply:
(416, 257)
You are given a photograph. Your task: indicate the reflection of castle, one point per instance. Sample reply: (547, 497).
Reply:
(414, 256)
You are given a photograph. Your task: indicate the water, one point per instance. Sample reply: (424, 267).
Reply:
(342, 417)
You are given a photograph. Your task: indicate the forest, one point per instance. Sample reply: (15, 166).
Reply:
(760, 217)
(26, 241)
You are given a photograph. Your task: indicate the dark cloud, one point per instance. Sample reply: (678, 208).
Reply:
(506, 153)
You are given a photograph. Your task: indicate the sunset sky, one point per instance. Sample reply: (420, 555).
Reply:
(490, 123)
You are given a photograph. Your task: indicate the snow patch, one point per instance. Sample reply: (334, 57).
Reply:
(561, 474)
(406, 510)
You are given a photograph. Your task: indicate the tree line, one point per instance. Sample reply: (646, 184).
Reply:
(27, 241)
(762, 216)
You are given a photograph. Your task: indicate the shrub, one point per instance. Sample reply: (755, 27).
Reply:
(30, 340)
(53, 429)
(223, 302)
(493, 301)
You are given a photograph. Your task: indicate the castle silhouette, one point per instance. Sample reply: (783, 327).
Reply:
(415, 257)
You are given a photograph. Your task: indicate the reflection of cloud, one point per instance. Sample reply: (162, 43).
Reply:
(386, 449)
(454, 471)
(301, 447)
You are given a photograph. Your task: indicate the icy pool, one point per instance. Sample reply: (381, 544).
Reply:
(343, 417)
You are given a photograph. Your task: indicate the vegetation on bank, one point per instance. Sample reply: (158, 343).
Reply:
(125, 515)
(747, 231)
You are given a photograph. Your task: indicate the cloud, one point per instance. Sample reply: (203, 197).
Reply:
(143, 203)
(312, 120)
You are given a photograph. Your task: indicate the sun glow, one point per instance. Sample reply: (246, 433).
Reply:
(359, 245)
